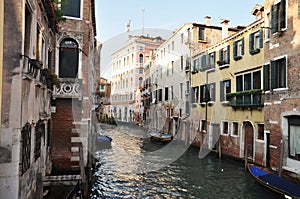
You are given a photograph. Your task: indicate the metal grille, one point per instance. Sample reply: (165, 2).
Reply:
(26, 147)
(39, 132)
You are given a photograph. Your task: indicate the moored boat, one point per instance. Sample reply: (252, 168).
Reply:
(157, 135)
(274, 182)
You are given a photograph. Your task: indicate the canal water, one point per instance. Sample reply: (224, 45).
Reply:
(121, 171)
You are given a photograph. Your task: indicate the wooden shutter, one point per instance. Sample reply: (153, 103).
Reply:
(221, 55)
(266, 77)
(274, 74)
(274, 18)
(228, 54)
(282, 13)
(251, 42)
(243, 50)
(261, 36)
(222, 98)
(235, 48)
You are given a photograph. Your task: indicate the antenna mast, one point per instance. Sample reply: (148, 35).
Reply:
(143, 13)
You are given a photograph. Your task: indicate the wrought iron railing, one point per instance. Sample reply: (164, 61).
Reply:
(69, 88)
(25, 147)
(39, 132)
(246, 99)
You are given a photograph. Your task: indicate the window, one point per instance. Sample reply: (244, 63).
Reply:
(207, 92)
(195, 95)
(278, 19)
(201, 33)
(203, 126)
(294, 137)
(267, 24)
(180, 112)
(238, 49)
(248, 81)
(181, 90)
(278, 73)
(141, 59)
(182, 36)
(173, 45)
(225, 127)
(166, 93)
(181, 62)
(187, 87)
(224, 55)
(235, 128)
(140, 81)
(172, 92)
(255, 42)
(266, 77)
(172, 67)
(260, 131)
(71, 9)
(196, 65)
(212, 59)
(159, 95)
(225, 88)
(68, 59)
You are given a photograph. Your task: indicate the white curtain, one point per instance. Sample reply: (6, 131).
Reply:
(294, 140)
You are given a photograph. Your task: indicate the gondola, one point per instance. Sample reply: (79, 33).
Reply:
(274, 182)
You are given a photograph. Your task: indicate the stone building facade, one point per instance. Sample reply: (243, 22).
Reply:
(73, 101)
(29, 32)
(282, 84)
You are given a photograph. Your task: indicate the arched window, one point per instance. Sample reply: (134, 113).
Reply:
(140, 81)
(68, 58)
(141, 59)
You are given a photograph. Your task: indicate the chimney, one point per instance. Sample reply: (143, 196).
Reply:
(207, 20)
(224, 23)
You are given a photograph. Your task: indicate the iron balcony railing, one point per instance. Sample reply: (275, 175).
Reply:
(246, 99)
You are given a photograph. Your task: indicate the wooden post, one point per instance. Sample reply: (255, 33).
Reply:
(246, 150)
(220, 148)
(281, 156)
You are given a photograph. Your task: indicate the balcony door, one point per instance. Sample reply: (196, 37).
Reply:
(68, 58)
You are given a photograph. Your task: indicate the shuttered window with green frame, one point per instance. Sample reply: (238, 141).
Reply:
(278, 73)
(278, 20)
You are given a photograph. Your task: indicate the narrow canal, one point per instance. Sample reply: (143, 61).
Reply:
(117, 172)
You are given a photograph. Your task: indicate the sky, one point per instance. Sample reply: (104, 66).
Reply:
(112, 16)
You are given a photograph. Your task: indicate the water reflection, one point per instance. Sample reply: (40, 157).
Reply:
(117, 176)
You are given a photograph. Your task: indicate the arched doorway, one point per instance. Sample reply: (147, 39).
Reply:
(249, 139)
(68, 58)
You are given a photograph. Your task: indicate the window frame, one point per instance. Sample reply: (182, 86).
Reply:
(80, 10)
(223, 124)
(232, 129)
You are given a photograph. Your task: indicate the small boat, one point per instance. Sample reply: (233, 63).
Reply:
(274, 182)
(103, 142)
(157, 135)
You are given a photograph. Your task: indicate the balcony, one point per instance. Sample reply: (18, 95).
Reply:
(69, 88)
(246, 99)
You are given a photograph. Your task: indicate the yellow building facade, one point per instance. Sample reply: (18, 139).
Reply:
(227, 83)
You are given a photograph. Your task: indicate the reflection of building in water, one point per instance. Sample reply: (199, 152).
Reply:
(127, 75)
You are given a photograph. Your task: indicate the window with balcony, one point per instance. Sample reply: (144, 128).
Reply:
(278, 16)
(68, 58)
(255, 42)
(71, 8)
(248, 91)
(238, 49)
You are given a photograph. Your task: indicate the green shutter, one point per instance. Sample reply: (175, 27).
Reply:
(283, 72)
(266, 77)
(298, 9)
(274, 18)
(261, 37)
(221, 55)
(235, 49)
(282, 14)
(243, 46)
(221, 91)
(214, 60)
(251, 42)
(228, 54)
(273, 74)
